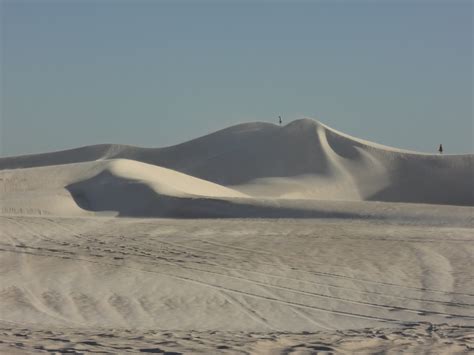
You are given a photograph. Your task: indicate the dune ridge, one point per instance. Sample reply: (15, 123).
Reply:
(304, 160)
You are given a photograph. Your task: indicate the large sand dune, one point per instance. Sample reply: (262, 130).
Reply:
(302, 160)
(331, 244)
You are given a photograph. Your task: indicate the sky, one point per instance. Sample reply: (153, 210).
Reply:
(158, 73)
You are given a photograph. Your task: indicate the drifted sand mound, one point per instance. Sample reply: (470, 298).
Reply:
(127, 188)
(124, 187)
(302, 160)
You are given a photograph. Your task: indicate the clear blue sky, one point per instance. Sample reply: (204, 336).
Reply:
(156, 73)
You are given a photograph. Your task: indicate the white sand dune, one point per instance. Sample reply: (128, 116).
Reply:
(331, 243)
(127, 188)
(302, 160)
(117, 186)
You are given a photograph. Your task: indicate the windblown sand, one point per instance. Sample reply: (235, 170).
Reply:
(121, 285)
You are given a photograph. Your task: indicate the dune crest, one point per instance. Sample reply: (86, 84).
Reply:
(304, 160)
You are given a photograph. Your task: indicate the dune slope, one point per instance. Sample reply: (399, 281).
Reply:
(302, 160)
(127, 188)
(119, 186)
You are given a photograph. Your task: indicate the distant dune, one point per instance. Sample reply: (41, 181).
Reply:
(248, 169)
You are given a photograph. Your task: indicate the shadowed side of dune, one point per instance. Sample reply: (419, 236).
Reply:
(126, 197)
(444, 190)
(430, 179)
(132, 198)
(246, 152)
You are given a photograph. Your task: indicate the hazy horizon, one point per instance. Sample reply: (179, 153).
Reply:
(155, 74)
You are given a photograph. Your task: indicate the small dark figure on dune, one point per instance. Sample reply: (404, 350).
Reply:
(440, 149)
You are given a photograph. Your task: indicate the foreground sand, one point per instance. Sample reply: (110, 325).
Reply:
(282, 285)
(421, 338)
(304, 260)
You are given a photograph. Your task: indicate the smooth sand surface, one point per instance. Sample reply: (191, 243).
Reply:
(271, 277)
